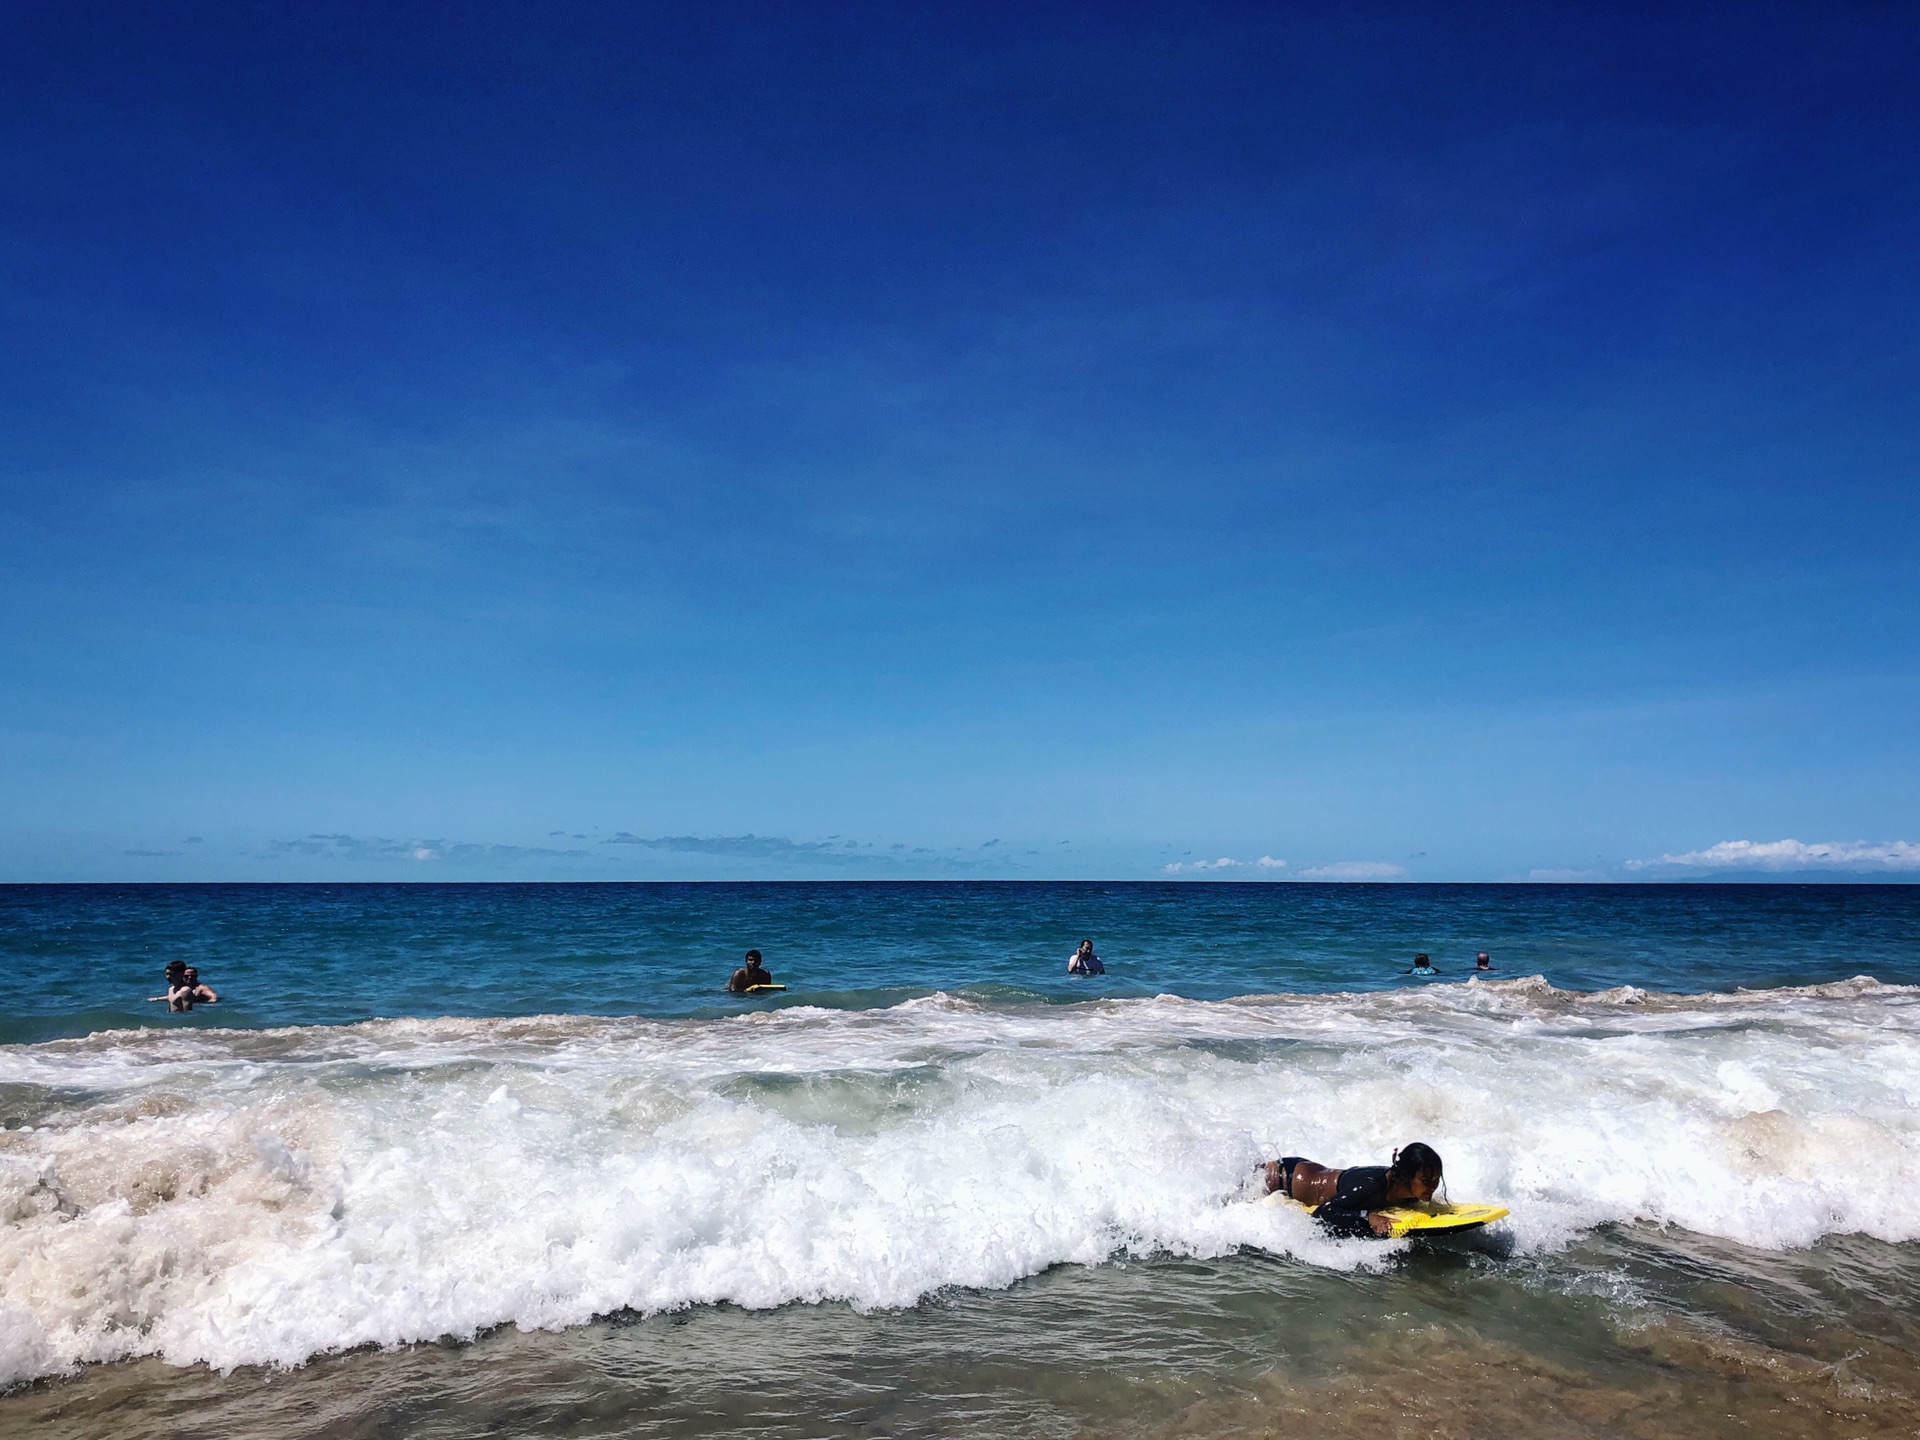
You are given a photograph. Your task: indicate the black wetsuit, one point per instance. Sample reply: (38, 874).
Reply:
(1359, 1189)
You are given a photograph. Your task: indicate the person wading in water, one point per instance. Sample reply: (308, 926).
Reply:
(751, 973)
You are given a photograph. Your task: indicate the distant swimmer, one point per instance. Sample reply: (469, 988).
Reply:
(1085, 962)
(1483, 961)
(197, 990)
(1422, 965)
(1344, 1200)
(748, 975)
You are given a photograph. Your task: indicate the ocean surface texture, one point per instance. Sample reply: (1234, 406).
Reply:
(478, 1159)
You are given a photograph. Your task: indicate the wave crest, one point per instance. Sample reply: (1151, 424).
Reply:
(260, 1197)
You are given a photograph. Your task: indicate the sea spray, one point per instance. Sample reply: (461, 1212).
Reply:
(265, 1196)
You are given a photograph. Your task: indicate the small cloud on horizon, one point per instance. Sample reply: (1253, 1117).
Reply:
(1350, 870)
(1788, 855)
(844, 855)
(376, 847)
(1225, 862)
(740, 847)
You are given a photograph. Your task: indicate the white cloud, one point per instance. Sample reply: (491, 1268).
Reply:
(374, 847)
(1267, 862)
(1855, 855)
(1354, 870)
(1225, 862)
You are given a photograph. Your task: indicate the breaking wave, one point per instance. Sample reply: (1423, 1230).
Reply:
(259, 1197)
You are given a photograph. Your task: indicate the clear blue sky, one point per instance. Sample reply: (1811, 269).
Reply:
(1454, 442)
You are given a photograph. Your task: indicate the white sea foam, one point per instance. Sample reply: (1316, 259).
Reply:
(241, 1198)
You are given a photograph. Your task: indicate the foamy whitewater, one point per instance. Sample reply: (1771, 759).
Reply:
(259, 1197)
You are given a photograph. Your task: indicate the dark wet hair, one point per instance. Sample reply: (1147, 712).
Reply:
(1410, 1162)
(753, 954)
(1420, 957)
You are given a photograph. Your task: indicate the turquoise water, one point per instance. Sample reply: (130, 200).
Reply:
(332, 954)
(453, 1160)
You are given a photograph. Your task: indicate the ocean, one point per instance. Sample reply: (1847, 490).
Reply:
(453, 1160)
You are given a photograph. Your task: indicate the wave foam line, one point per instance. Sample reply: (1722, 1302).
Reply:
(261, 1197)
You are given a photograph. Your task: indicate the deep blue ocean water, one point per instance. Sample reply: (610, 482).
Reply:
(331, 954)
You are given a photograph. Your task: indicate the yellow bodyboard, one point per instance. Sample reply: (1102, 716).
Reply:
(1434, 1218)
(761, 989)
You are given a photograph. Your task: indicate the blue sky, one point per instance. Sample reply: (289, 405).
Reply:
(1428, 442)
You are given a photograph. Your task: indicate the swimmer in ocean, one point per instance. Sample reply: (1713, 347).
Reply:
(1085, 962)
(1483, 961)
(751, 973)
(1422, 965)
(1344, 1200)
(198, 992)
(179, 996)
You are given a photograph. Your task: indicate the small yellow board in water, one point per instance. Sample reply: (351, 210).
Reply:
(1433, 1218)
(761, 989)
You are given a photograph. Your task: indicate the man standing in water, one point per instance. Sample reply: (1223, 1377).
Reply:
(749, 974)
(1483, 961)
(1085, 962)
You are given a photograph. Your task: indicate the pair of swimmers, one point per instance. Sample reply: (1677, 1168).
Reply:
(185, 988)
(753, 972)
(1345, 1200)
(1423, 964)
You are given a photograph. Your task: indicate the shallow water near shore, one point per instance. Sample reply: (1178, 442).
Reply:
(1627, 1334)
(1016, 1207)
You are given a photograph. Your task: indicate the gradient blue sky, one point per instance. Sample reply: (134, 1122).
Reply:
(1452, 442)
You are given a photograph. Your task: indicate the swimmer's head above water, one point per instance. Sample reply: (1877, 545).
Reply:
(1416, 1169)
